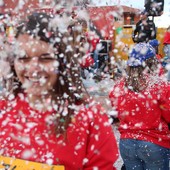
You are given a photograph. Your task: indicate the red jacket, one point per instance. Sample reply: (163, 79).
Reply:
(28, 134)
(166, 39)
(93, 40)
(145, 115)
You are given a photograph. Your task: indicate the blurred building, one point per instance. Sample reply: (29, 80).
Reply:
(104, 19)
(18, 7)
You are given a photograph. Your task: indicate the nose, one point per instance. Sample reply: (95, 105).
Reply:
(35, 62)
(34, 65)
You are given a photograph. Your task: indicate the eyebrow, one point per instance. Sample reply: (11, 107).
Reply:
(45, 54)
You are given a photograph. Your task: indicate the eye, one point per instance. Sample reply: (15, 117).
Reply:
(47, 58)
(24, 58)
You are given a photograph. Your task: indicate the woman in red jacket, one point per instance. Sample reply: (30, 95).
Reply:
(142, 101)
(47, 121)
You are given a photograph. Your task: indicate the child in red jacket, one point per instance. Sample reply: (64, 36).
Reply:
(142, 101)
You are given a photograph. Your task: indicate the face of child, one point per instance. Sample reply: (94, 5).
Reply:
(35, 65)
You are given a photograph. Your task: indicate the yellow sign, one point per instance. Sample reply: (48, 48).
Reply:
(7, 163)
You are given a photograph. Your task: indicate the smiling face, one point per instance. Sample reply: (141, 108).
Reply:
(35, 65)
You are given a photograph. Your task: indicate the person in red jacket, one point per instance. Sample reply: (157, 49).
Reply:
(155, 44)
(46, 121)
(142, 100)
(166, 59)
(166, 39)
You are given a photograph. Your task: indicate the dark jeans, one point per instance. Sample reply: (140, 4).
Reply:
(142, 155)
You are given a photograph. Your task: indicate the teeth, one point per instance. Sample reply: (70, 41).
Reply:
(34, 80)
(41, 80)
(34, 74)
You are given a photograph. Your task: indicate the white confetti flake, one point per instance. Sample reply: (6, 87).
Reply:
(85, 160)
(27, 154)
(49, 161)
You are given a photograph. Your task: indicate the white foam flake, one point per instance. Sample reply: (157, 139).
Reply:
(1, 2)
(16, 125)
(85, 160)
(27, 154)
(113, 113)
(139, 124)
(42, 81)
(31, 124)
(78, 146)
(49, 161)
(11, 97)
(96, 137)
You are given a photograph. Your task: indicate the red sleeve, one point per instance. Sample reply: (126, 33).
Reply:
(161, 70)
(3, 104)
(117, 91)
(166, 38)
(165, 103)
(112, 97)
(93, 40)
(103, 143)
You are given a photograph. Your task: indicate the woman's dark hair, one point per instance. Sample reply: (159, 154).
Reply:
(69, 81)
(37, 25)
